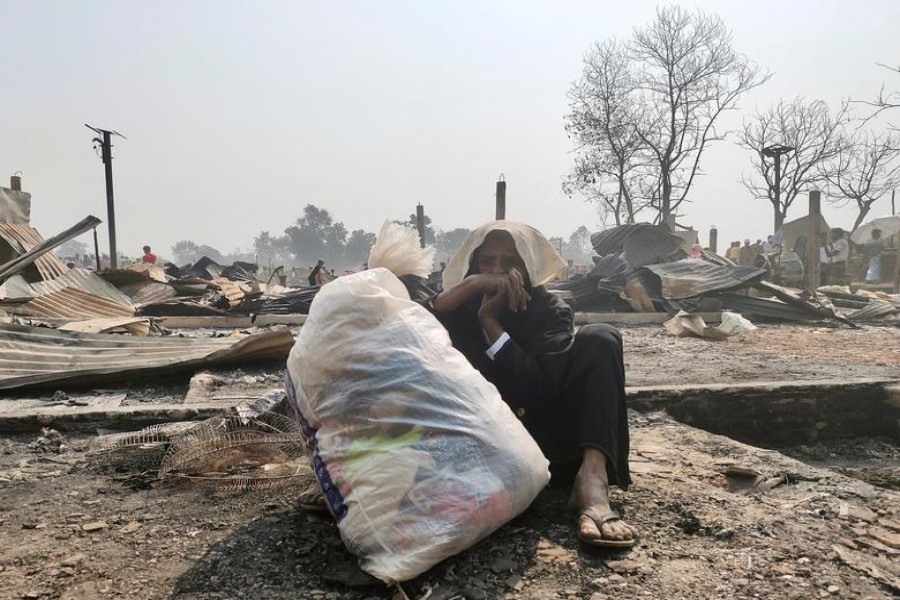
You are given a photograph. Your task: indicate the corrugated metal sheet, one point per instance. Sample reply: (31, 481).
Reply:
(23, 239)
(81, 279)
(241, 271)
(22, 261)
(153, 271)
(33, 356)
(692, 277)
(180, 308)
(205, 268)
(641, 243)
(132, 325)
(72, 303)
(147, 292)
(235, 291)
(812, 306)
(876, 309)
(767, 308)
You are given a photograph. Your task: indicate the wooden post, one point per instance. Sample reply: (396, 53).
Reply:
(897, 265)
(96, 250)
(713, 240)
(501, 198)
(815, 215)
(420, 223)
(15, 183)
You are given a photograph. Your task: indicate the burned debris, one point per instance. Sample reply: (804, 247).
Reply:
(73, 326)
(646, 268)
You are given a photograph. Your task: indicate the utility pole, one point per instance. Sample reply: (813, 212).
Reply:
(500, 213)
(103, 142)
(420, 224)
(775, 152)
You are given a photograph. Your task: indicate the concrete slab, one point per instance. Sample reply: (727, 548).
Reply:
(40, 406)
(773, 414)
(780, 413)
(88, 419)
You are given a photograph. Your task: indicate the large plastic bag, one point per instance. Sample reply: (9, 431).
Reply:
(416, 453)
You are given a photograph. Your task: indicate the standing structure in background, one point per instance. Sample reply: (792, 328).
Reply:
(103, 142)
(501, 199)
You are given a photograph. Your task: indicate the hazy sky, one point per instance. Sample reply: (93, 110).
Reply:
(240, 113)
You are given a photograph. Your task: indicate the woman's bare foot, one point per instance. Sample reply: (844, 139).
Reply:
(590, 495)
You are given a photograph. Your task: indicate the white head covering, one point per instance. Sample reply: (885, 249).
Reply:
(541, 259)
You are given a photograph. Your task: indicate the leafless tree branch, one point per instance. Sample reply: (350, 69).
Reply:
(865, 169)
(644, 111)
(815, 136)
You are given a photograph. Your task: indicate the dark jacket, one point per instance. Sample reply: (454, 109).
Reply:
(525, 370)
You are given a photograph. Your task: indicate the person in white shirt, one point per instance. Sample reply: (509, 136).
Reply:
(837, 252)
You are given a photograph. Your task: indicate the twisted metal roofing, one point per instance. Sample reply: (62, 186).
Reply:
(72, 303)
(24, 238)
(38, 356)
(692, 277)
(81, 279)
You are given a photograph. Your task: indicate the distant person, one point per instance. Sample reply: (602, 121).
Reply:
(802, 251)
(734, 252)
(747, 254)
(317, 275)
(148, 257)
(874, 247)
(769, 246)
(837, 251)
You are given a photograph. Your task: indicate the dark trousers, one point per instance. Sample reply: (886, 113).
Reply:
(590, 410)
(834, 273)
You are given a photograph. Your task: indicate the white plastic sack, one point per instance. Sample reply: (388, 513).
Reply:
(397, 249)
(416, 453)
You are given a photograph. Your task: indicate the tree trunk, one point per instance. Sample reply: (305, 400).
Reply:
(863, 211)
(779, 216)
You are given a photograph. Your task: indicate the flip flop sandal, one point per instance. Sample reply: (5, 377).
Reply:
(599, 519)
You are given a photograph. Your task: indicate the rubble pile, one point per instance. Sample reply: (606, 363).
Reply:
(646, 268)
(81, 327)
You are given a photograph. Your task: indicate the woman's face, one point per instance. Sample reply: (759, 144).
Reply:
(497, 255)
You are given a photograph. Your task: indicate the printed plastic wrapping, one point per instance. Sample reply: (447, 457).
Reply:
(416, 453)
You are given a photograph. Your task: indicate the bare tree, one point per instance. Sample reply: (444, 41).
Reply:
(687, 75)
(814, 136)
(644, 111)
(885, 100)
(864, 170)
(609, 165)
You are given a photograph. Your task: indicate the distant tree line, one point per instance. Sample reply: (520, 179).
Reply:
(316, 234)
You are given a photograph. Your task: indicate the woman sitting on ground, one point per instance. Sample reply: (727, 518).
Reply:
(568, 389)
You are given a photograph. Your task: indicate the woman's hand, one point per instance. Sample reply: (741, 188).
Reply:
(506, 289)
(509, 294)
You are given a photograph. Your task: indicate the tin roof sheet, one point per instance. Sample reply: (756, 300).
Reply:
(24, 238)
(38, 356)
(72, 303)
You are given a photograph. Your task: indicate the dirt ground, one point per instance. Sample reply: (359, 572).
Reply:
(774, 353)
(809, 525)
